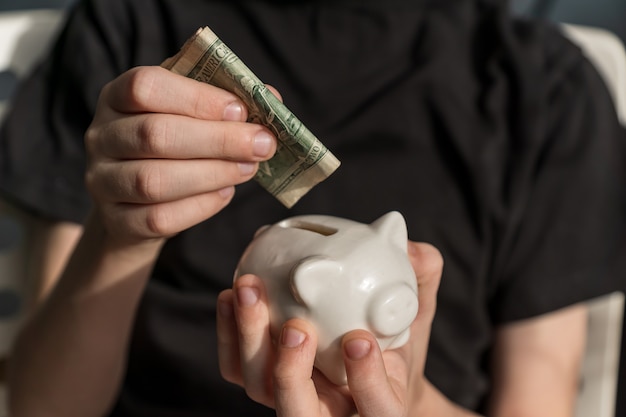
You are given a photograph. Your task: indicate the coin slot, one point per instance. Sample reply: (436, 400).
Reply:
(311, 227)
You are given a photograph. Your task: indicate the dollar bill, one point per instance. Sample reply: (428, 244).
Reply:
(301, 160)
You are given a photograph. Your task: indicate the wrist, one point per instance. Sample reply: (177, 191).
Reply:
(98, 233)
(102, 260)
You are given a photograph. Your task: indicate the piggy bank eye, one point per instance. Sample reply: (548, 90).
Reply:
(392, 310)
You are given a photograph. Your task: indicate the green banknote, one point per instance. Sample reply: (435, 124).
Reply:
(301, 160)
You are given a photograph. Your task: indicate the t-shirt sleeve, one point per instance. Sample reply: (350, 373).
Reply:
(564, 237)
(42, 157)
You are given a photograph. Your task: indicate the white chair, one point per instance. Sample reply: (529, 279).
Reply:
(599, 374)
(600, 369)
(606, 51)
(25, 35)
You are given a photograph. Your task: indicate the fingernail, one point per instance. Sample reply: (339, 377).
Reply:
(233, 112)
(247, 296)
(226, 192)
(263, 143)
(357, 348)
(291, 337)
(247, 168)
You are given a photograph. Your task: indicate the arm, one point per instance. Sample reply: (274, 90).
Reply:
(52, 245)
(536, 368)
(165, 153)
(48, 245)
(80, 333)
(537, 363)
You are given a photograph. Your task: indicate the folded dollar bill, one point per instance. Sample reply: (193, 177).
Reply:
(301, 160)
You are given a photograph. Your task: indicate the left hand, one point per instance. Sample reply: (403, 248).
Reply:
(281, 375)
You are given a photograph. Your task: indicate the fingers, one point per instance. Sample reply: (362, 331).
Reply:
(382, 384)
(279, 372)
(164, 180)
(134, 222)
(276, 373)
(256, 350)
(295, 392)
(157, 90)
(428, 265)
(228, 339)
(179, 137)
(375, 393)
(165, 151)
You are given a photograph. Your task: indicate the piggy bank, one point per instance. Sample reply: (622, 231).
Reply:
(340, 275)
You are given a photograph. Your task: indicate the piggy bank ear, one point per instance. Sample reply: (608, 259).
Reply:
(312, 277)
(392, 227)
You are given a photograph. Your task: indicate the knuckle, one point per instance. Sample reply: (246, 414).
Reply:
(284, 380)
(149, 183)
(91, 138)
(158, 221)
(96, 183)
(106, 90)
(224, 142)
(153, 135)
(91, 181)
(141, 85)
(228, 142)
(208, 102)
(105, 93)
(237, 142)
(200, 108)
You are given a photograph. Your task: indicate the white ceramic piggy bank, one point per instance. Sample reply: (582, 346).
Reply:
(339, 275)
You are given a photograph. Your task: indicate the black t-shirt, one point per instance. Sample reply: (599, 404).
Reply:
(494, 138)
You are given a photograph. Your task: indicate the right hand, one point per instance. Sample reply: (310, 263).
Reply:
(166, 151)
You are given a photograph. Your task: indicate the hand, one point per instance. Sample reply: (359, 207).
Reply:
(165, 153)
(281, 375)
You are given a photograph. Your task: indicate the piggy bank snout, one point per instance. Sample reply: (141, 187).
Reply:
(392, 310)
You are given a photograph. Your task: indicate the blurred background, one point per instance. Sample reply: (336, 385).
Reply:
(606, 14)
(32, 4)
